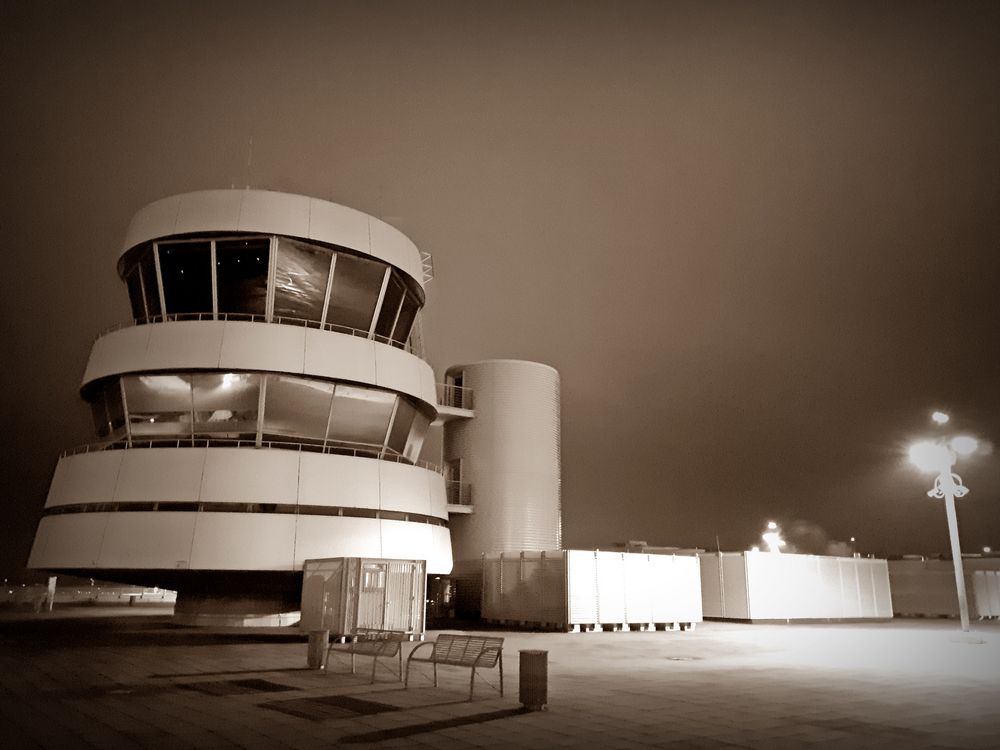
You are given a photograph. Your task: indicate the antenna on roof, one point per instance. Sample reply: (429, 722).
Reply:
(249, 160)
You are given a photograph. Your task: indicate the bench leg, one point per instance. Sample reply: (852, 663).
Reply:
(501, 674)
(435, 674)
(472, 682)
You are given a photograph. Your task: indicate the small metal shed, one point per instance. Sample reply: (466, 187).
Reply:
(343, 594)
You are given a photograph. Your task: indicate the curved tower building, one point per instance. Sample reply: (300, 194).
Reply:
(262, 408)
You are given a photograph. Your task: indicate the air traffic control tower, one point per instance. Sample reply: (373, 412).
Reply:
(267, 404)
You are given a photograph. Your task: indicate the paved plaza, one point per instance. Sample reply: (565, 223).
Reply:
(128, 678)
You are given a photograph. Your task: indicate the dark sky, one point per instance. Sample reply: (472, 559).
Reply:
(758, 240)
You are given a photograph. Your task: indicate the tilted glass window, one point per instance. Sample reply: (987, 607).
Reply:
(116, 409)
(354, 292)
(186, 271)
(225, 404)
(133, 280)
(147, 268)
(241, 275)
(360, 415)
(158, 405)
(296, 407)
(99, 409)
(407, 314)
(401, 424)
(415, 441)
(390, 307)
(300, 277)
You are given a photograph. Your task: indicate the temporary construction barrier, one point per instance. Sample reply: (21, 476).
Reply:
(986, 588)
(345, 594)
(753, 586)
(926, 588)
(585, 589)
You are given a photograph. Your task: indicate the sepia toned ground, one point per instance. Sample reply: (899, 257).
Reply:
(117, 678)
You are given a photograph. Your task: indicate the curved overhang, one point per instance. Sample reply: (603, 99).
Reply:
(264, 347)
(269, 212)
(206, 508)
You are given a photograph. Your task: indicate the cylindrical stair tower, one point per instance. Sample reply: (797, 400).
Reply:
(508, 456)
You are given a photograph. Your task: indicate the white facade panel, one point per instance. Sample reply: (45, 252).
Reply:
(439, 558)
(335, 536)
(157, 474)
(85, 478)
(207, 207)
(147, 540)
(120, 351)
(70, 541)
(438, 496)
(398, 370)
(404, 489)
(348, 225)
(334, 480)
(274, 348)
(179, 345)
(243, 541)
(395, 247)
(156, 219)
(406, 539)
(339, 356)
(249, 475)
(278, 213)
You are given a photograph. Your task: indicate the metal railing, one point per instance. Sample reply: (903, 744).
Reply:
(455, 396)
(360, 450)
(256, 318)
(458, 493)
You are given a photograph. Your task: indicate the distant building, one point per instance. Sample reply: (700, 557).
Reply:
(267, 404)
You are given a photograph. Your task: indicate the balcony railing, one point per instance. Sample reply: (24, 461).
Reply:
(360, 450)
(254, 318)
(458, 493)
(455, 396)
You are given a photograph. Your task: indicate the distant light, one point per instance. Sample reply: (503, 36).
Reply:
(755, 548)
(772, 525)
(930, 456)
(987, 550)
(773, 541)
(852, 538)
(964, 445)
(940, 417)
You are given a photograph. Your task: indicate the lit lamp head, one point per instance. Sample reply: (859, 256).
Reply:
(931, 456)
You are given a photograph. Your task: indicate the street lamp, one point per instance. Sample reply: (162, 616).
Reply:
(939, 457)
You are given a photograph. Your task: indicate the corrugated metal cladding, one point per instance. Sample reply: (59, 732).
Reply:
(510, 455)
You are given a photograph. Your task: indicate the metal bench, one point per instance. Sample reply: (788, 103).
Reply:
(373, 643)
(473, 651)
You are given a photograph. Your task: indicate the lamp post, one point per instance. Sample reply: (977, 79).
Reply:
(939, 457)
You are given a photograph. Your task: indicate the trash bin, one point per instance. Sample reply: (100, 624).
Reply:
(534, 679)
(319, 643)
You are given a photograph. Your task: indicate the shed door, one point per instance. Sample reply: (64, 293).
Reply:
(371, 595)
